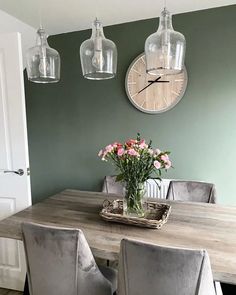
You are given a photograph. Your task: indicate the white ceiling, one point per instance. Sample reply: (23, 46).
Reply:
(59, 16)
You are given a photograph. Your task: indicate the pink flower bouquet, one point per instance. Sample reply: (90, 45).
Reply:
(136, 162)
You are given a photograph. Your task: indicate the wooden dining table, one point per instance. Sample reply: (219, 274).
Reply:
(190, 225)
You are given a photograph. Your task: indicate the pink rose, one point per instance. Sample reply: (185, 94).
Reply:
(131, 142)
(165, 158)
(120, 152)
(119, 145)
(109, 148)
(157, 164)
(132, 152)
(168, 164)
(142, 144)
(100, 153)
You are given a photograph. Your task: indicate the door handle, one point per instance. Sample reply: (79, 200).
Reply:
(19, 172)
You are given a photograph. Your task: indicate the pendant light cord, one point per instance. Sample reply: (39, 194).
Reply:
(40, 16)
(97, 6)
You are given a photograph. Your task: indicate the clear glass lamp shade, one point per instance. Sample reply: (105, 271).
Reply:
(98, 55)
(43, 62)
(165, 49)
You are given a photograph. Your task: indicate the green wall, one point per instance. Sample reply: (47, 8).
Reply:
(70, 121)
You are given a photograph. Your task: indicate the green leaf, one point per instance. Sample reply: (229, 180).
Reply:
(119, 177)
(138, 136)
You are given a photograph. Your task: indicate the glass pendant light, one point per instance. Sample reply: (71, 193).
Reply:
(165, 49)
(42, 61)
(98, 55)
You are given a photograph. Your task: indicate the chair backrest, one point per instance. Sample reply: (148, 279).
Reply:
(149, 269)
(192, 191)
(59, 262)
(112, 187)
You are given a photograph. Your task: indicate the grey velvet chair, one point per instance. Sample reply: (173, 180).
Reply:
(150, 269)
(111, 186)
(60, 262)
(192, 191)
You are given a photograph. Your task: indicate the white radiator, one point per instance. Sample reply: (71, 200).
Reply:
(153, 191)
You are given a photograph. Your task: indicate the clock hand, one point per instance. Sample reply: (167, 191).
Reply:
(150, 83)
(162, 81)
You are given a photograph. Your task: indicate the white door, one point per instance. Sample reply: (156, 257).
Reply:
(15, 192)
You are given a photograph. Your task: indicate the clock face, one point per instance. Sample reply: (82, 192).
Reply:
(153, 94)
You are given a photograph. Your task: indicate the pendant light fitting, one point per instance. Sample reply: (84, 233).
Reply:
(165, 49)
(43, 62)
(98, 55)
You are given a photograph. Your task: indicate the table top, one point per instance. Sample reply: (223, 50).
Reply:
(190, 225)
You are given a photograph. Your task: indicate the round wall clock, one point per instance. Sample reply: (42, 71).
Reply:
(153, 94)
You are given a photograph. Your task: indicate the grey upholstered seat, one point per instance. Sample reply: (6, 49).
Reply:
(192, 191)
(60, 262)
(150, 269)
(111, 186)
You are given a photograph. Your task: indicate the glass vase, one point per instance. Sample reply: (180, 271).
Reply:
(134, 200)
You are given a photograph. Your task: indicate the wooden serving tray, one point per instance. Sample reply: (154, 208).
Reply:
(155, 217)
